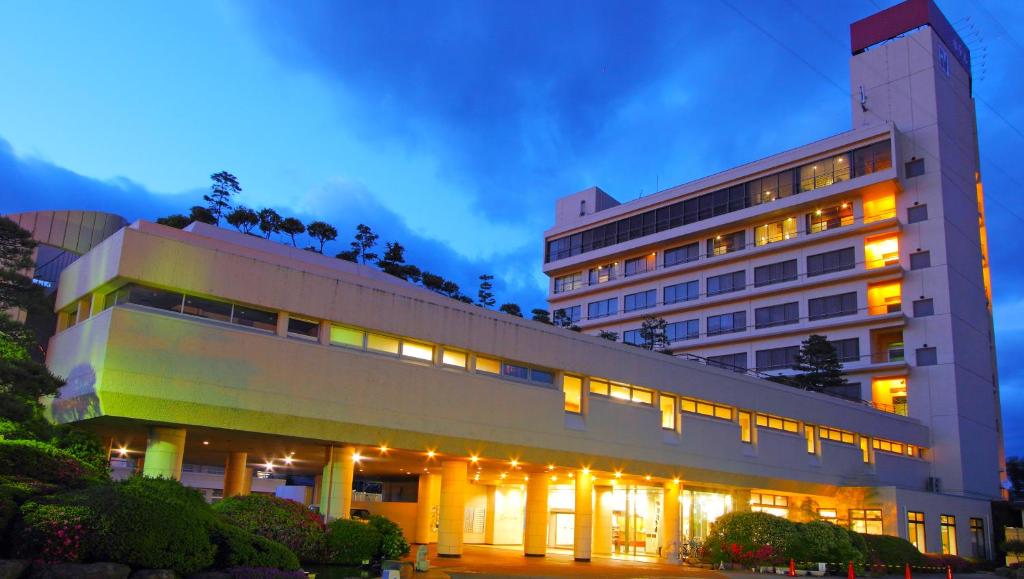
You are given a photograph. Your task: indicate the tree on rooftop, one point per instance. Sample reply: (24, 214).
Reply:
(322, 232)
(512, 310)
(177, 221)
(540, 315)
(202, 215)
(218, 201)
(393, 263)
(270, 222)
(818, 365)
(365, 240)
(654, 334)
(562, 319)
(608, 335)
(243, 219)
(291, 227)
(485, 297)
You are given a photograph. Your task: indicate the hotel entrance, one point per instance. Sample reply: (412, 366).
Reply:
(699, 510)
(636, 519)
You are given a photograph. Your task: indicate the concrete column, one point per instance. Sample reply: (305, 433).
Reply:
(235, 472)
(317, 480)
(603, 520)
(282, 324)
(247, 482)
(670, 522)
(427, 503)
(741, 500)
(336, 484)
(325, 333)
(492, 502)
(535, 533)
(584, 523)
(97, 301)
(165, 449)
(453, 508)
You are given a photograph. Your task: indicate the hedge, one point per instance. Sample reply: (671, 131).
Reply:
(281, 520)
(736, 534)
(45, 463)
(392, 542)
(891, 551)
(821, 541)
(237, 547)
(351, 542)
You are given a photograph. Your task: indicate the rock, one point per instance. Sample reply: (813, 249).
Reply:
(12, 568)
(85, 571)
(154, 574)
(210, 575)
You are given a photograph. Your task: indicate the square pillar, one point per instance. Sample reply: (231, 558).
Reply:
(453, 508)
(584, 518)
(428, 497)
(535, 528)
(492, 502)
(336, 484)
(235, 472)
(670, 540)
(603, 520)
(165, 449)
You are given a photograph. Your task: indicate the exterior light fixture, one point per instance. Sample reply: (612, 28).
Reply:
(514, 463)
(618, 474)
(554, 478)
(206, 443)
(818, 212)
(356, 457)
(676, 480)
(269, 465)
(123, 451)
(551, 467)
(384, 449)
(648, 477)
(474, 458)
(431, 454)
(527, 477)
(288, 460)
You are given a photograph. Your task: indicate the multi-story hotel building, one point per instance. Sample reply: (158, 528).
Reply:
(228, 360)
(874, 238)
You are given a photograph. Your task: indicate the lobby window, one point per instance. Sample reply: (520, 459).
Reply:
(684, 254)
(920, 259)
(570, 313)
(979, 547)
(777, 315)
(668, 411)
(881, 251)
(832, 306)
(346, 336)
(703, 408)
(382, 343)
(417, 351)
(927, 356)
(782, 358)
(684, 330)
(866, 521)
(777, 505)
(828, 515)
(777, 423)
(454, 358)
(775, 231)
(835, 435)
(573, 388)
(254, 318)
(847, 350)
(569, 282)
(209, 309)
(602, 308)
(300, 328)
(913, 168)
(947, 530)
(640, 300)
(682, 292)
(879, 205)
(727, 323)
(746, 427)
(601, 274)
(831, 261)
(487, 365)
(736, 362)
(775, 273)
(828, 218)
(915, 530)
(727, 282)
(723, 244)
(639, 265)
(924, 307)
(917, 213)
(810, 439)
(884, 298)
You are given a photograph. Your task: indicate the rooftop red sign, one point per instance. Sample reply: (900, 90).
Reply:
(903, 18)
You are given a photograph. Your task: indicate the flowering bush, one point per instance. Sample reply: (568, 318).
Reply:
(45, 463)
(734, 553)
(54, 533)
(749, 532)
(281, 520)
(940, 562)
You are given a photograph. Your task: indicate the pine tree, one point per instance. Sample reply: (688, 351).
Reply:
(540, 315)
(512, 310)
(654, 334)
(393, 262)
(322, 232)
(365, 240)
(818, 365)
(270, 222)
(291, 227)
(243, 219)
(485, 297)
(224, 187)
(608, 335)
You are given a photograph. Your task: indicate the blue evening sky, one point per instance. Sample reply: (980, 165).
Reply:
(452, 126)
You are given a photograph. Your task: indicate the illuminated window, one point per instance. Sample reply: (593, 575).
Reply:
(879, 205)
(705, 408)
(809, 437)
(947, 529)
(828, 218)
(668, 411)
(890, 394)
(867, 521)
(599, 386)
(775, 231)
(778, 423)
(639, 265)
(723, 244)
(881, 251)
(417, 351)
(381, 343)
(345, 336)
(888, 446)
(829, 515)
(453, 358)
(621, 391)
(601, 274)
(746, 431)
(825, 172)
(777, 505)
(835, 435)
(915, 530)
(573, 388)
(301, 328)
(884, 298)
(865, 449)
(641, 396)
(488, 365)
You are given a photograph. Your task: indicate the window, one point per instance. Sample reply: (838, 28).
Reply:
(881, 251)
(947, 529)
(879, 205)
(865, 449)
(915, 530)
(778, 423)
(917, 213)
(598, 386)
(830, 218)
(542, 376)
(777, 505)
(835, 435)
(924, 307)
(727, 323)
(832, 306)
(602, 308)
(573, 388)
(920, 260)
(640, 300)
(381, 343)
(632, 337)
(979, 546)
(777, 358)
(705, 408)
(736, 362)
(777, 315)
(847, 350)
(913, 168)
(454, 358)
(668, 411)
(418, 351)
(885, 298)
(301, 328)
(727, 282)
(515, 371)
(621, 391)
(829, 515)
(775, 231)
(569, 282)
(571, 313)
(812, 447)
(723, 244)
(254, 318)
(831, 261)
(685, 330)
(639, 265)
(345, 336)
(746, 432)
(488, 365)
(867, 521)
(209, 309)
(873, 158)
(601, 274)
(775, 273)
(685, 254)
(927, 356)
(155, 298)
(682, 292)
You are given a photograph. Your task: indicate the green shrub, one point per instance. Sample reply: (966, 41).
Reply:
(45, 463)
(1013, 547)
(392, 541)
(891, 551)
(54, 533)
(820, 541)
(237, 547)
(281, 520)
(171, 491)
(940, 562)
(349, 542)
(749, 532)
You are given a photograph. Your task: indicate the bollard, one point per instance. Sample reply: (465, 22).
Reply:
(792, 568)
(949, 572)
(906, 572)
(850, 574)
